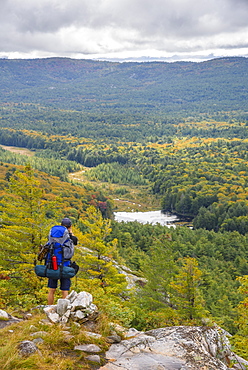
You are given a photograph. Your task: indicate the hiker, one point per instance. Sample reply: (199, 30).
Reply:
(65, 283)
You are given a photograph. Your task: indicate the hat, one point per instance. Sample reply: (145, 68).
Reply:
(66, 222)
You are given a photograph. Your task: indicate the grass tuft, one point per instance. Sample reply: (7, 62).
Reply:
(55, 352)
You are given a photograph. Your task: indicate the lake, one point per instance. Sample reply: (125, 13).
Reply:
(152, 217)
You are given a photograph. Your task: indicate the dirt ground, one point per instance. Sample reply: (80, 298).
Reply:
(18, 150)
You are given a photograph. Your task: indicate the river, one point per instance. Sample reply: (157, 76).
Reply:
(152, 217)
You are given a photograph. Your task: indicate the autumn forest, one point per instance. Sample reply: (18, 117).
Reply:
(93, 136)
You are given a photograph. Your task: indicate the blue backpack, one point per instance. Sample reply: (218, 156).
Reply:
(60, 246)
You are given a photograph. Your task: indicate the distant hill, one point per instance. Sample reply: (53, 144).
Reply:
(218, 84)
(130, 101)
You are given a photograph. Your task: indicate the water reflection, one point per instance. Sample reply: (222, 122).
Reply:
(152, 217)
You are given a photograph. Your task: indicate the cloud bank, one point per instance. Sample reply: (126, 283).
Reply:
(105, 29)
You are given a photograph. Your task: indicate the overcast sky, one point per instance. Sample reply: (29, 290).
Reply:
(110, 29)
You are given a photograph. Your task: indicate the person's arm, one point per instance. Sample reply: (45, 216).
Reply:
(74, 239)
(72, 236)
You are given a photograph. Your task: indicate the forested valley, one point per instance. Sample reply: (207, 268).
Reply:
(163, 136)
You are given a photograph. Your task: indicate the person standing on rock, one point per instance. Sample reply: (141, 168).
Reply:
(66, 253)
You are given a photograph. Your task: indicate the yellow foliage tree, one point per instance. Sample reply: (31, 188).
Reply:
(24, 226)
(99, 272)
(98, 256)
(187, 297)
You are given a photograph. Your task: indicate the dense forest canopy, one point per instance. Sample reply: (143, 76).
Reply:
(128, 101)
(140, 87)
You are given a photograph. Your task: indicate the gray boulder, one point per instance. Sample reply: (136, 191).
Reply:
(52, 315)
(82, 301)
(27, 348)
(4, 315)
(90, 348)
(7, 319)
(93, 358)
(62, 306)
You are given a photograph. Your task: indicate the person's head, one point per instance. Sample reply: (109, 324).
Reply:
(66, 222)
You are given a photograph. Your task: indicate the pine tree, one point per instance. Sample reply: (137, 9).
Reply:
(152, 302)
(158, 269)
(187, 296)
(97, 255)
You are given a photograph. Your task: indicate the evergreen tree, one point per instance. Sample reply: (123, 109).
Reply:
(152, 301)
(97, 255)
(159, 270)
(187, 296)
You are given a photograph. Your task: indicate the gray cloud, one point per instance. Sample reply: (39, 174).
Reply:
(98, 27)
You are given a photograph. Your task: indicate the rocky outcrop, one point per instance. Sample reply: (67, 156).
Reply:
(174, 348)
(133, 280)
(169, 348)
(78, 307)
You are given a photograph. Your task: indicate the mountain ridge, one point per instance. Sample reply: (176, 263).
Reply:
(148, 87)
